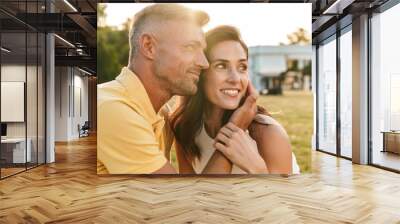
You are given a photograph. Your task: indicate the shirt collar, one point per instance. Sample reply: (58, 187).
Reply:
(138, 95)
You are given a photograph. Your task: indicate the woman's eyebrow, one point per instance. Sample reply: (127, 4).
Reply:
(225, 60)
(220, 60)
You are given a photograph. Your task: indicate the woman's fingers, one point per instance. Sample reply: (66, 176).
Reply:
(222, 148)
(222, 138)
(232, 127)
(251, 96)
(226, 131)
(252, 91)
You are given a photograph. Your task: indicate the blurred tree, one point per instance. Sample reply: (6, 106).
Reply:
(112, 47)
(101, 15)
(298, 37)
(293, 65)
(307, 69)
(107, 63)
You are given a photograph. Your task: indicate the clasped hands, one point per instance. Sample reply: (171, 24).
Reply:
(235, 143)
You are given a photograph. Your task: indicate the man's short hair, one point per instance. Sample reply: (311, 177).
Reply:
(160, 13)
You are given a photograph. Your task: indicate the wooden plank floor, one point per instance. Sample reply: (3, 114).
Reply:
(69, 191)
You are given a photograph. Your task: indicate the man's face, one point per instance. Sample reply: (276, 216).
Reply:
(180, 56)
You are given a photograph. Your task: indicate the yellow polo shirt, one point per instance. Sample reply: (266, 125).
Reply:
(131, 137)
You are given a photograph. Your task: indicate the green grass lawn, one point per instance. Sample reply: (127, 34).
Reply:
(294, 110)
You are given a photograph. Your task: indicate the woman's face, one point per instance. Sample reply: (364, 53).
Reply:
(226, 80)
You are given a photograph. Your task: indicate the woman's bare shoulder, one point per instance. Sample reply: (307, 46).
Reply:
(260, 131)
(265, 126)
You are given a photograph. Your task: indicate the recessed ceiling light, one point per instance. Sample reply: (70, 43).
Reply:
(71, 6)
(338, 6)
(86, 72)
(5, 50)
(64, 40)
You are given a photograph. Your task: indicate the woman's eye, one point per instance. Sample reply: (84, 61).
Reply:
(220, 66)
(243, 68)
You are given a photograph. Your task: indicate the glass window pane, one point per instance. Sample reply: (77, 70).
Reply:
(32, 88)
(13, 86)
(386, 89)
(31, 97)
(22, 88)
(327, 96)
(346, 94)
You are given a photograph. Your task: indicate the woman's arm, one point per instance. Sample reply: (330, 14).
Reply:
(218, 163)
(273, 146)
(184, 165)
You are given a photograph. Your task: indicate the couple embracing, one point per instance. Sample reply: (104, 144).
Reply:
(215, 124)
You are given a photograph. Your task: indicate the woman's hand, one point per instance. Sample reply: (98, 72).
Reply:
(244, 115)
(240, 149)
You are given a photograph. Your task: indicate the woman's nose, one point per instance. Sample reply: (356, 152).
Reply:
(234, 75)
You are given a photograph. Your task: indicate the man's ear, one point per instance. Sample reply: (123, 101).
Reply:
(147, 45)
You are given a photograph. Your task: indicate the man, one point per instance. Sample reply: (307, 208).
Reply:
(166, 58)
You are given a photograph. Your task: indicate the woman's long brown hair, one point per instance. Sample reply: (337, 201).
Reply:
(187, 120)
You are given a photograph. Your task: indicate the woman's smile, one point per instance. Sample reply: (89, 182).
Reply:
(232, 92)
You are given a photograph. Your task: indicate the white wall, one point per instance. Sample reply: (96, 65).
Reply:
(33, 126)
(12, 94)
(80, 100)
(62, 81)
(71, 93)
(16, 73)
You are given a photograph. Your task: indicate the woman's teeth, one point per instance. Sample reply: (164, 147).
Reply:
(230, 92)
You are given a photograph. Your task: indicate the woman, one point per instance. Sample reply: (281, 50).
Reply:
(201, 126)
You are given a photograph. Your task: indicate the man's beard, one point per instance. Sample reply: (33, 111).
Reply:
(182, 86)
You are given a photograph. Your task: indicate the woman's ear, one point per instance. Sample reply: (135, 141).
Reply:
(147, 45)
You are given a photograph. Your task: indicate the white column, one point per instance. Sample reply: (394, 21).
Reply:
(50, 110)
(50, 93)
(360, 90)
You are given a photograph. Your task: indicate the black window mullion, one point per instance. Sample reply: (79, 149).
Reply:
(338, 76)
(45, 95)
(44, 72)
(317, 96)
(26, 87)
(369, 89)
(73, 92)
(1, 163)
(37, 90)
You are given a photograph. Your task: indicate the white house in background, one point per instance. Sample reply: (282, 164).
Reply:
(267, 63)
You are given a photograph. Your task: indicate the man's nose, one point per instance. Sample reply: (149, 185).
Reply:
(202, 61)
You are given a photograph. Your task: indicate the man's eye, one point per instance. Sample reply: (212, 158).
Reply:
(190, 47)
